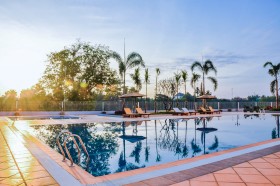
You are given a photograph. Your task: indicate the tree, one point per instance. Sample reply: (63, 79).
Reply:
(167, 89)
(136, 79)
(184, 75)
(146, 81)
(133, 59)
(157, 74)
(177, 79)
(194, 80)
(274, 71)
(78, 72)
(205, 69)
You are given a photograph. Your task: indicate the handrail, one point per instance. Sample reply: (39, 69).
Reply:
(72, 136)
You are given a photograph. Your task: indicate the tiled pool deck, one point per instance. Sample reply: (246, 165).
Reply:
(24, 160)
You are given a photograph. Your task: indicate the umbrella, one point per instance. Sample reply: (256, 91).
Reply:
(132, 95)
(206, 96)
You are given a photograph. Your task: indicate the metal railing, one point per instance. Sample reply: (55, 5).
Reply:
(69, 135)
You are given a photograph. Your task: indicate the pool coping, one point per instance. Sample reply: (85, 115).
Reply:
(133, 175)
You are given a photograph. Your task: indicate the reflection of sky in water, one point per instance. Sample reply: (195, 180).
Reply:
(164, 141)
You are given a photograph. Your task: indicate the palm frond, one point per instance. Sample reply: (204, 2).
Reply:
(273, 86)
(177, 77)
(157, 71)
(208, 67)
(268, 63)
(194, 79)
(184, 75)
(134, 59)
(147, 76)
(197, 65)
(214, 81)
(117, 57)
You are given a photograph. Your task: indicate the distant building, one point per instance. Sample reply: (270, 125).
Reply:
(179, 96)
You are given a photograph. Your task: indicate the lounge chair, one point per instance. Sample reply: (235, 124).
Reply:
(178, 112)
(128, 113)
(140, 111)
(213, 110)
(204, 111)
(185, 110)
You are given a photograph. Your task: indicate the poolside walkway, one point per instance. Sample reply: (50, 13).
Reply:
(17, 165)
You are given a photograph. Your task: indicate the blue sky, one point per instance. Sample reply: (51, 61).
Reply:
(238, 36)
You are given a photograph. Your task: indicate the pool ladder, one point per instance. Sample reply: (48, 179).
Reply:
(69, 135)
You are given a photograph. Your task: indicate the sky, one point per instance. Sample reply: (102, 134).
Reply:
(237, 36)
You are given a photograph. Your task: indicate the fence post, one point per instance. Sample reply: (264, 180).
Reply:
(271, 104)
(237, 106)
(218, 105)
(103, 106)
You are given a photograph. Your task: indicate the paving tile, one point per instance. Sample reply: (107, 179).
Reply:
(246, 164)
(137, 184)
(258, 160)
(246, 170)
(8, 173)
(270, 172)
(35, 175)
(254, 179)
(230, 184)
(177, 177)
(263, 165)
(226, 171)
(41, 181)
(202, 183)
(207, 177)
(260, 184)
(158, 181)
(184, 183)
(227, 178)
(274, 179)
(9, 181)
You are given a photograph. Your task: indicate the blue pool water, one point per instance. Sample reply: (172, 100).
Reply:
(117, 147)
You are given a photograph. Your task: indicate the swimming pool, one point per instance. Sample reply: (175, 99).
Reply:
(118, 147)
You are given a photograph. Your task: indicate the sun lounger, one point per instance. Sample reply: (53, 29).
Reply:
(128, 113)
(185, 110)
(204, 111)
(178, 112)
(140, 111)
(213, 110)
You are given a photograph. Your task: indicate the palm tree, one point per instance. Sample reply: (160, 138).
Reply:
(157, 74)
(194, 80)
(205, 69)
(133, 59)
(136, 79)
(177, 79)
(273, 71)
(147, 81)
(185, 77)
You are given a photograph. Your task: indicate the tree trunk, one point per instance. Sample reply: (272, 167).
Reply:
(155, 105)
(124, 83)
(146, 100)
(276, 93)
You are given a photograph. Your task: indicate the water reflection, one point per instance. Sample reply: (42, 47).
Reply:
(118, 147)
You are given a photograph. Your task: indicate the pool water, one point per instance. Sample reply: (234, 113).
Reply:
(118, 147)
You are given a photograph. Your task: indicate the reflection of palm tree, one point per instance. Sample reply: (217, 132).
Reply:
(136, 151)
(147, 148)
(158, 158)
(185, 148)
(215, 144)
(275, 131)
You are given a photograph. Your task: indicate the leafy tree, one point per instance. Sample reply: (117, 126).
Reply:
(136, 79)
(167, 88)
(274, 87)
(78, 72)
(133, 59)
(205, 68)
